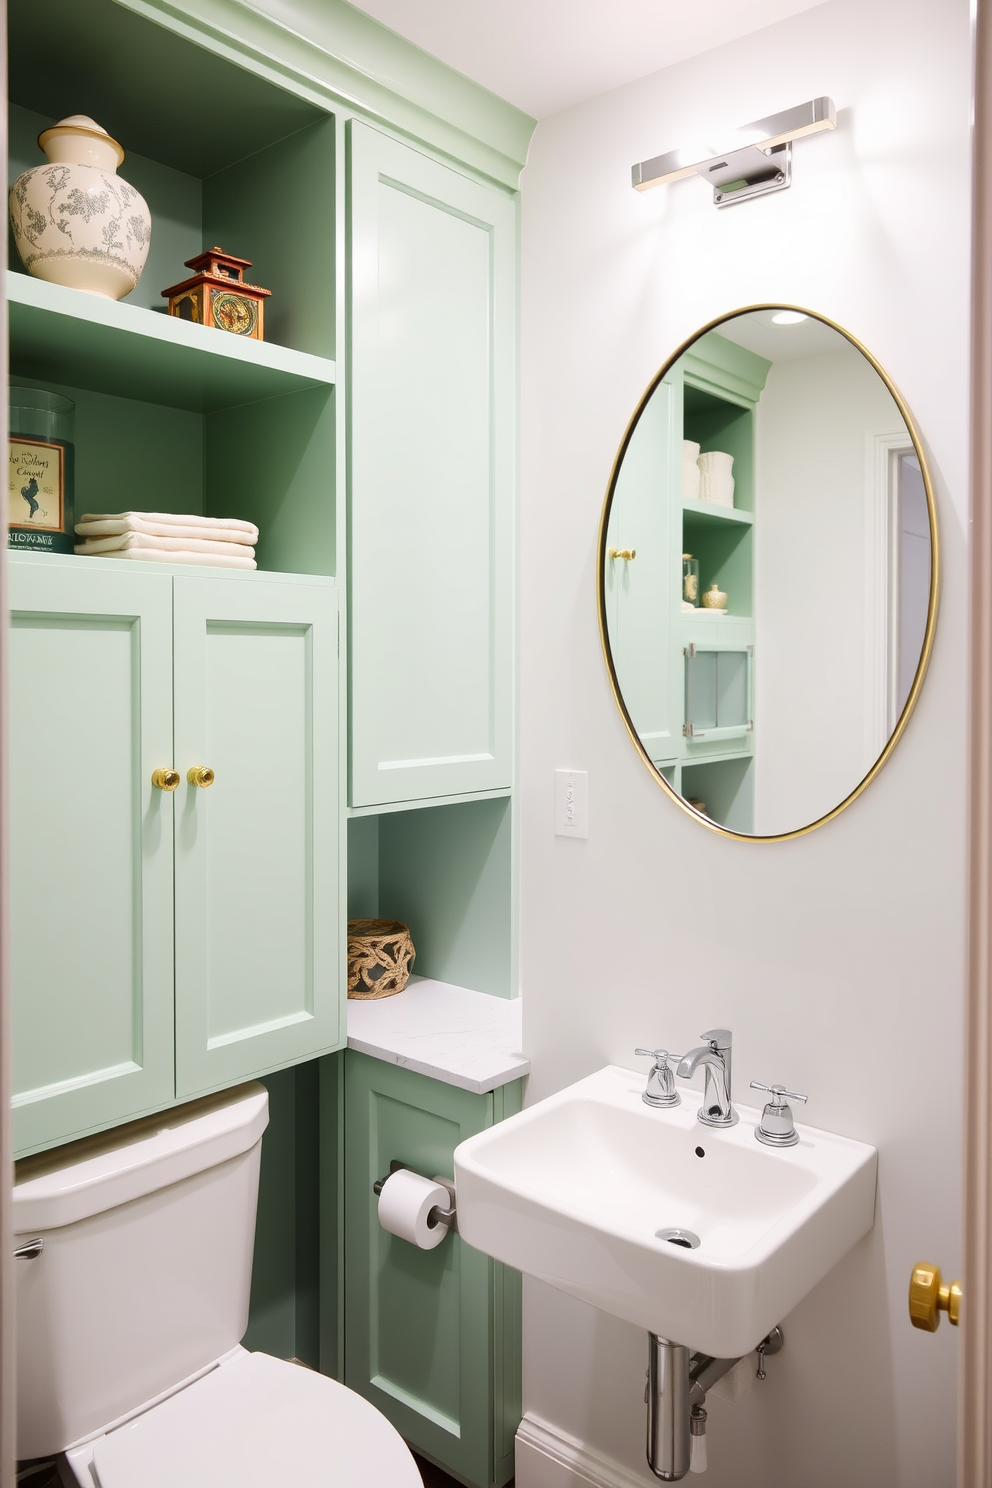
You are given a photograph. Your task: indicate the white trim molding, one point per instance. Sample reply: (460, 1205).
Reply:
(882, 449)
(549, 1458)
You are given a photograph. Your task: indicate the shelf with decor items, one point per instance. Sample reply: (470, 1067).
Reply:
(172, 416)
(112, 346)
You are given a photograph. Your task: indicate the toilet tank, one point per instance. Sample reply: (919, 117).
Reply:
(145, 1270)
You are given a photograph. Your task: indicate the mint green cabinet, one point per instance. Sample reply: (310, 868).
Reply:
(257, 931)
(167, 943)
(432, 1337)
(431, 270)
(90, 704)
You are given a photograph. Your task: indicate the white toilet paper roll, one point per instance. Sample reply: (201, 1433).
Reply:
(405, 1203)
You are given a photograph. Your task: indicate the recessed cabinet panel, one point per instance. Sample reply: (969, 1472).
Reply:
(258, 688)
(731, 688)
(421, 1287)
(718, 692)
(91, 847)
(256, 857)
(431, 261)
(700, 691)
(431, 1335)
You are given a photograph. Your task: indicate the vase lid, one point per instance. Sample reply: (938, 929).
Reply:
(80, 124)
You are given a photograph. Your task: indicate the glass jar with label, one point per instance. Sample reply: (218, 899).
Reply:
(690, 580)
(40, 472)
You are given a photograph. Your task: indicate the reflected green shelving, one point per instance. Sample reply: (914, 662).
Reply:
(706, 511)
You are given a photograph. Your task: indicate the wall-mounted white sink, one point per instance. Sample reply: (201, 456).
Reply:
(575, 1189)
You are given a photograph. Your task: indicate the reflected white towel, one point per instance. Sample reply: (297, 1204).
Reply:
(166, 524)
(105, 545)
(230, 559)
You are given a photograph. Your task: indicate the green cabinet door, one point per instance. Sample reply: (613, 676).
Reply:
(431, 264)
(432, 1337)
(646, 520)
(257, 941)
(90, 707)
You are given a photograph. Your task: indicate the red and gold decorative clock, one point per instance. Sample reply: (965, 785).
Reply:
(217, 295)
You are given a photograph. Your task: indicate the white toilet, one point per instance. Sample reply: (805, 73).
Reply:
(130, 1313)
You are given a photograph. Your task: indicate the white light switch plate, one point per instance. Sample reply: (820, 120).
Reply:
(571, 803)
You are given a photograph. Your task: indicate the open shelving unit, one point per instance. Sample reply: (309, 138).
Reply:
(721, 384)
(172, 416)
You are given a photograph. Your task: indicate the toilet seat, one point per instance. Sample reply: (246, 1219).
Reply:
(255, 1422)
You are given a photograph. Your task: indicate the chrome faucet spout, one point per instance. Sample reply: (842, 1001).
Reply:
(689, 1063)
(715, 1057)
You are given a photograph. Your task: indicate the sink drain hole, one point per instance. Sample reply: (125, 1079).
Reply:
(687, 1239)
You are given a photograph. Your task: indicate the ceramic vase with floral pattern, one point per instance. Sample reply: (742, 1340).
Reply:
(75, 221)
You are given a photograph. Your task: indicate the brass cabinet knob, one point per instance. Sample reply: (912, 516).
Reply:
(200, 775)
(929, 1296)
(166, 780)
(627, 553)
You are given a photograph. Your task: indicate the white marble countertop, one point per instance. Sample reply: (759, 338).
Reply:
(463, 1038)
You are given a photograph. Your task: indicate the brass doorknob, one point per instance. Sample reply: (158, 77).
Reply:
(627, 553)
(166, 780)
(200, 775)
(929, 1296)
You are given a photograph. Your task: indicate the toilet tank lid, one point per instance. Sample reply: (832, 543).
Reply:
(70, 1183)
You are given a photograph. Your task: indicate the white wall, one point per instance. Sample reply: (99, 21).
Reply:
(837, 959)
(813, 423)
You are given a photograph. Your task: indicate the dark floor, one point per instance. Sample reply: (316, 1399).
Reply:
(433, 1476)
(38, 1475)
(46, 1475)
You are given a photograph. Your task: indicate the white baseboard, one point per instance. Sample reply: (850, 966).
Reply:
(549, 1458)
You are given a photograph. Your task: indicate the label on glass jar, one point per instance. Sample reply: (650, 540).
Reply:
(35, 493)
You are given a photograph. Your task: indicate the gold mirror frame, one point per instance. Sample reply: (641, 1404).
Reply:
(932, 603)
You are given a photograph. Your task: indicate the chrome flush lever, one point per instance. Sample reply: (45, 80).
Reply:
(660, 1090)
(29, 1250)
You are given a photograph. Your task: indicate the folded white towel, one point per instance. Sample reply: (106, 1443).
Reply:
(106, 545)
(165, 524)
(232, 559)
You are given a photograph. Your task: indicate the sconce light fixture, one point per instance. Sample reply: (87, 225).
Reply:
(745, 162)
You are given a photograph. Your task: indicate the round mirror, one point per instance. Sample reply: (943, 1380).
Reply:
(768, 572)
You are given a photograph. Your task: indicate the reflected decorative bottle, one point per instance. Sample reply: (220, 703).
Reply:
(690, 580)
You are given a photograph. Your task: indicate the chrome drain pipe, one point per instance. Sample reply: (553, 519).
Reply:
(677, 1383)
(669, 1442)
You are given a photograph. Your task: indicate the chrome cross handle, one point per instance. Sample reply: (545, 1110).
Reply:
(660, 1089)
(776, 1128)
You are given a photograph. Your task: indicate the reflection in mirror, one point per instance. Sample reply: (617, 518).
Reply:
(768, 571)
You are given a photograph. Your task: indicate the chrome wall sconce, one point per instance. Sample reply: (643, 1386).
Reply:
(753, 160)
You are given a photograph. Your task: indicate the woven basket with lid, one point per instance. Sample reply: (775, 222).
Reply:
(380, 955)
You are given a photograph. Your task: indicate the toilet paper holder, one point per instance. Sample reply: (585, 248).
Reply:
(444, 1217)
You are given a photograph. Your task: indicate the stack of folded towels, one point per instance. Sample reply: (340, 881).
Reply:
(162, 537)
